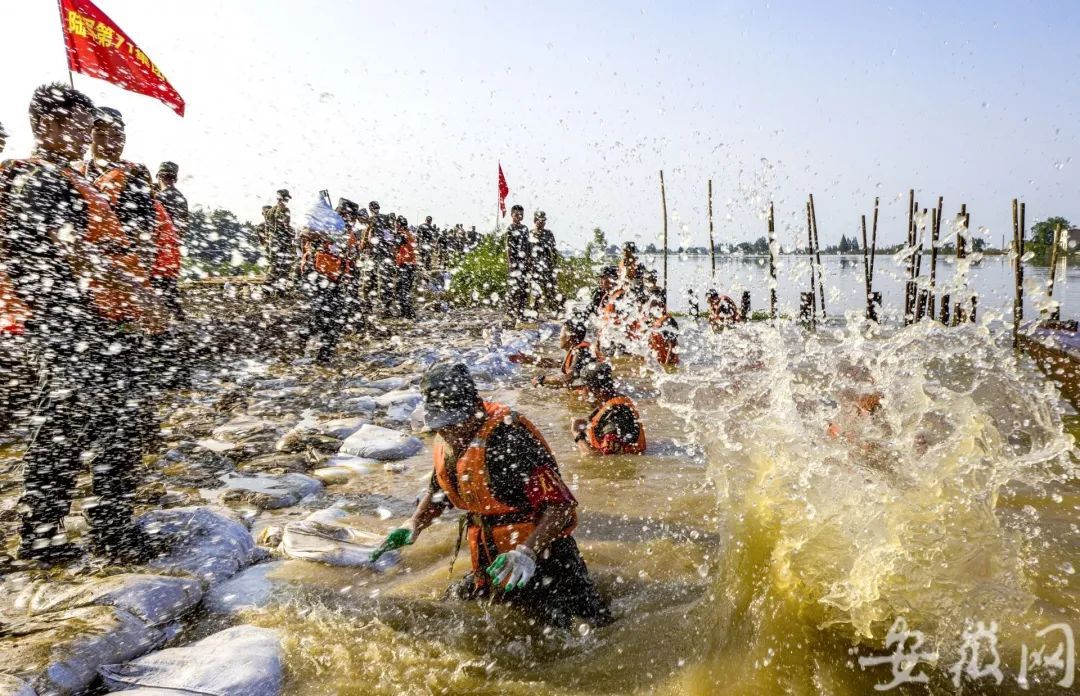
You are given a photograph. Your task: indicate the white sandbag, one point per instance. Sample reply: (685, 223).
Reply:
(399, 396)
(356, 465)
(207, 542)
(385, 384)
(155, 599)
(332, 475)
(340, 428)
(249, 589)
(243, 428)
(13, 686)
(59, 653)
(239, 661)
(322, 218)
(383, 444)
(400, 414)
(323, 539)
(268, 492)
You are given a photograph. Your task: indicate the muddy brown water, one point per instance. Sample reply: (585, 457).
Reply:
(726, 572)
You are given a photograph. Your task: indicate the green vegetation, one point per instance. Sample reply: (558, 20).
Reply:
(481, 276)
(1042, 237)
(480, 279)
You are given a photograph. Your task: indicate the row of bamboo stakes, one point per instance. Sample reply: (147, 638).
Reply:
(918, 303)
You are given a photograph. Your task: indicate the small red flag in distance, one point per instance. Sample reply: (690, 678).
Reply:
(504, 191)
(98, 48)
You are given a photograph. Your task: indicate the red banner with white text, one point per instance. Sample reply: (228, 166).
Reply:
(98, 48)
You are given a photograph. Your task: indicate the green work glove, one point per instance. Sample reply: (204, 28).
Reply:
(514, 568)
(394, 540)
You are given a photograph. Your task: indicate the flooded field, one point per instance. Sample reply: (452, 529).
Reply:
(766, 543)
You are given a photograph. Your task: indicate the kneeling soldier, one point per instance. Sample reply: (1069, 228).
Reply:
(496, 466)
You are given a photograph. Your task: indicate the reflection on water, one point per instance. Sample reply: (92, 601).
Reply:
(991, 278)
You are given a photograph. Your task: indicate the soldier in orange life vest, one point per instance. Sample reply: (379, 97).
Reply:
(495, 465)
(572, 340)
(723, 312)
(171, 208)
(615, 426)
(663, 333)
(405, 260)
(78, 274)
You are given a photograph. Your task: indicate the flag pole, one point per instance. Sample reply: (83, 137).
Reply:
(60, 8)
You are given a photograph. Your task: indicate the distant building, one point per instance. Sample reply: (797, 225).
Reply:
(1074, 240)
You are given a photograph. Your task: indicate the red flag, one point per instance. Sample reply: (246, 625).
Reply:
(98, 48)
(504, 190)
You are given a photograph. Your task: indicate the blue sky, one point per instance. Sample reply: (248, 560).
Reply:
(414, 103)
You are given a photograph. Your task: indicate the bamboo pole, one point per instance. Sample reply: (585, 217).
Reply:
(873, 242)
(920, 295)
(1018, 298)
(958, 314)
(712, 245)
(866, 266)
(1055, 314)
(810, 256)
(817, 257)
(663, 204)
(935, 234)
(909, 304)
(772, 264)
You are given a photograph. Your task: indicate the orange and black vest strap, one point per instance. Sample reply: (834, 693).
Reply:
(492, 524)
(636, 447)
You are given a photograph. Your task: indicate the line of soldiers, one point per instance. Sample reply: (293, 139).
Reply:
(89, 297)
(532, 265)
(368, 268)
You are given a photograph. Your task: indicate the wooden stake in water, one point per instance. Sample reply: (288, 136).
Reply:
(817, 257)
(909, 287)
(873, 242)
(1018, 299)
(1055, 314)
(810, 256)
(772, 264)
(663, 205)
(959, 310)
(920, 295)
(866, 266)
(935, 234)
(712, 245)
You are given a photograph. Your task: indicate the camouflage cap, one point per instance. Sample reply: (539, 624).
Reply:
(108, 116)
(170, 168)
(594, 375)
(284, 194)
(450, 395)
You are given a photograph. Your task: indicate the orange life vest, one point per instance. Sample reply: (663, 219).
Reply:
(166, 245)
(491, 523)
(13, 311)
(329, 264)
(568, 361)
(662, 349)
(103, 257)
(636, 447)
(406, 253)
(720, 317)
